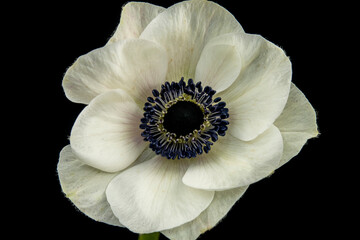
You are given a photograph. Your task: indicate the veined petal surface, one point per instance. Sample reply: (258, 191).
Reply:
(297, 124)
(234, 163)
(85, 187)
(259, 94)
(184, 29)
(106, 134)
(219, 66)
(219, 207)
(135, 17)
(134, 65)
(151, 197)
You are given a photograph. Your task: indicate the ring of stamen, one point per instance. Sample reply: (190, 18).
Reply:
(171, 145)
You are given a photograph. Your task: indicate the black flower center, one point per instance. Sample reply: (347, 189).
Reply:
(182, 120)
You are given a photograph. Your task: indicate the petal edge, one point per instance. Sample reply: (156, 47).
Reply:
(222, 203)
(297, 124)
(161, 201)
(85, 187)
(188, 26)
(135, 17)
(234, 163)
(259, 94)
(106, 134)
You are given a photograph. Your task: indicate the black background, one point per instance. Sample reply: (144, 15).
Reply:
(300, 200)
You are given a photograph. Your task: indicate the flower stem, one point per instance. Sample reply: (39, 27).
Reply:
(150, 236)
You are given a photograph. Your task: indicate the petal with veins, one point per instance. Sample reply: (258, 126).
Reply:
(106, 134)
(151, 197)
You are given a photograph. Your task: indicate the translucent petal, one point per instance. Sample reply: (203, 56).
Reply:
(259, 94)
(184, 29)
(135, 17)
(234, 163)
(135, 65)
(151, 197)
(106, 134)
(85, 187)
(219, 66)
(219, 207)
(297, 124)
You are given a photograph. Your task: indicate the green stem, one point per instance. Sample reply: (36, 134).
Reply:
(150, 236)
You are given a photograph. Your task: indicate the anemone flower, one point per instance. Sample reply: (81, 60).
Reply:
(184, 111)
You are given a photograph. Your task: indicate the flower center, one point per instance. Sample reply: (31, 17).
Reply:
(182, 120)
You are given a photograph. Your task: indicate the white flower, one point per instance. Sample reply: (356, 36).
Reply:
(134, 92)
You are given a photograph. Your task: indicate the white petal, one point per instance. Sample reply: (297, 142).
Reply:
(184, 29)
(234, 163)
(151, 197)
(260, 92)
(219, 207)
(135, 65)
(219, 66)
(297, 123)
(106, 135)
(135, 16)
(85, 187)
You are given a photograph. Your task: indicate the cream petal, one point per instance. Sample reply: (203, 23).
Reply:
(219, 66)
(219, 207)
(135, 16)
(106, 134)
(234, 163)
(184, 29)
(297, 124)
(151, 197)
(137, 66)
(259, 94)
(85, 187)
